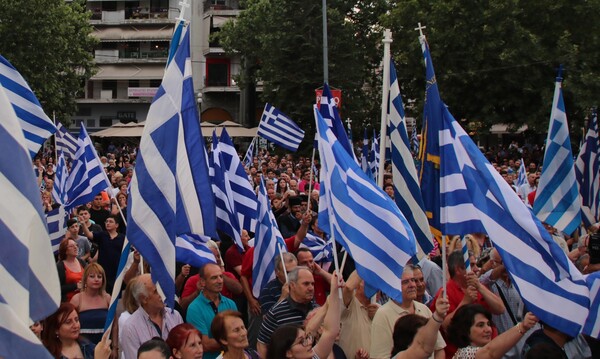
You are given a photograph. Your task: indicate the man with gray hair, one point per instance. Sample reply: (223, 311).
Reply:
(277, 289)
(150, 320)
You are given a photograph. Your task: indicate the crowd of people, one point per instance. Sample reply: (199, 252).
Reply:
(308, 310)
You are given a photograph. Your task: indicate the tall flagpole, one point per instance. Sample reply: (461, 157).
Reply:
(387, 40)
(325, 59)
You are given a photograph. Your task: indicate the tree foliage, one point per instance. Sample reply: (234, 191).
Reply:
(282, 45)
(496, 61)
(49, 43)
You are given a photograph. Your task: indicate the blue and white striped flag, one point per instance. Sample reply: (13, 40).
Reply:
(227, 220)
(364, 159)
(192, 249)
(267, 243)
(321, 249)
(363, 218)
(87, 177)
(56, 220)
(248, 158)
(170, 194)
(65, 142)
(557, 200)
(30, 288)
(278, 128)
(126, 257)
(414, 142)
(522, 175)
(407, 193)
(244, 196)
(592, 324)
(374, 157)
(59, 191)
(475, 198)
(331, 115)
(587, 171)
(36, 125)
(465, 252)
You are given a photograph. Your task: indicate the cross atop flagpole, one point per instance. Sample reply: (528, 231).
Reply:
(420, 28)
(184, 4)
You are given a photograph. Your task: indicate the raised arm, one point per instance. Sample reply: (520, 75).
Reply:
(505, 341)
(331, 323)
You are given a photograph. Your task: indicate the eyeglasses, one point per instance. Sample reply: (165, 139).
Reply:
(307, 340)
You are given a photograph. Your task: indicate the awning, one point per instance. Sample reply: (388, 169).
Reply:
(501, 128)
(133, 129)
(130, 72)
(132, 33)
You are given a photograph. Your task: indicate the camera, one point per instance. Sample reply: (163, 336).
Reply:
(594, 248)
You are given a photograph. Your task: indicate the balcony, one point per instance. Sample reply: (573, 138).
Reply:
(128, 16)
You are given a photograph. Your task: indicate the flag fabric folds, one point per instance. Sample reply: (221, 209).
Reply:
(321, 249)
(361, 217)
(126, 257)
(244, 196)
(407, 193)
(331, 115)
(522, 175)
(248, 158)
(414, 141)
(557, 200)
(592, 324)
(65, 142)
(170, 194)
(36, 125)
(59, 190)
(429, 155)
(587, 171)
(475, 198)
(227, 220)
(87, 177)
(56, 220)
(30, 288)
(268, 242)
(192, 249)
(374, 157)
(278, 128)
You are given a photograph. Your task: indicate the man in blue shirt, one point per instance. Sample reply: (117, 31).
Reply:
(203, 309)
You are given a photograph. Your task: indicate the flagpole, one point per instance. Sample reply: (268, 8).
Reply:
(325, 59)
(387, 40)
(282, 262)
(55, 144)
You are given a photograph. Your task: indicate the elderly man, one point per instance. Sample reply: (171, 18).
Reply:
(210, 302)
(292, 310)
(277, 289)
(385, 318)
(150, 320)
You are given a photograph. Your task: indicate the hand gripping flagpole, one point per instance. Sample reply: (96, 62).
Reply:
(387, 40)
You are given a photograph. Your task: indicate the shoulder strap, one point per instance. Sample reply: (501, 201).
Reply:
(512, 316)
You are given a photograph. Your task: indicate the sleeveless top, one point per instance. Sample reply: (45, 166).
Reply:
(72, 278)
(92, 323)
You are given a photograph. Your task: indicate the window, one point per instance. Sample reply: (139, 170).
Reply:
(84, 111)
(106, 121)
(90, 123)
(217, 72)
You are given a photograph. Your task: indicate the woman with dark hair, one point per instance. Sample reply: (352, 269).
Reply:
(471, 331)
(415, 336)
(70, 269)
(185, 342)
(228, 329)
(61, 335)
(291, 341)
(92, 302)
(282, 186)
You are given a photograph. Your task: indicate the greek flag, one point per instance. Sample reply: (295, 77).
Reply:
(191, 249)
(267, 243)
(475, 198)
(429, 155)
(587, 171)
(56, 220)
(407, 193)
(126, 257)
(414, 141)
(36, 126)
(522, 175)
(248, 158)
(557, 200)
(244, 196)
(59, 191)
(363, 218)
(331, 115)
(170, 194)
(227, 220)
(278, 128)
(87, 177)
(65, 142)
(374, 157)
(364, 159)
(321, 249)
(465, 253)
(592, 324)
(30, 288)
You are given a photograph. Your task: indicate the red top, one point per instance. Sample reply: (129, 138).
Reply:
(192, 284)
(72, 278)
